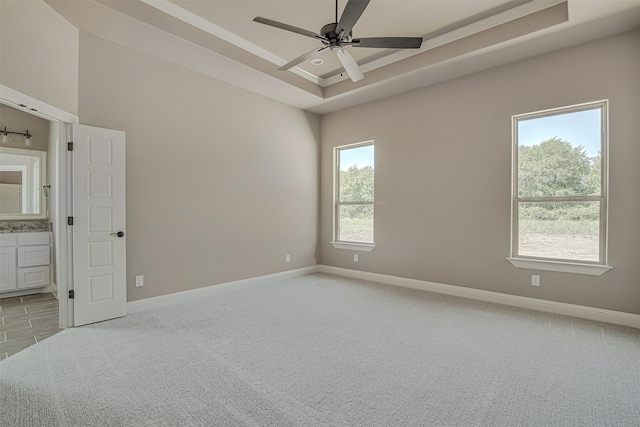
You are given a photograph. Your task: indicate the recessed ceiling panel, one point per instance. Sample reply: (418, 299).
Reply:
(381, 18)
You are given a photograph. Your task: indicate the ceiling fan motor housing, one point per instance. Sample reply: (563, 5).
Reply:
(333, 40)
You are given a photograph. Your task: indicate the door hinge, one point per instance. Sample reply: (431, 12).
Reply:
(70, 220)
(72, 294)
(70, 146)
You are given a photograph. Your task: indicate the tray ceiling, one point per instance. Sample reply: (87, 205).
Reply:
(460, 36)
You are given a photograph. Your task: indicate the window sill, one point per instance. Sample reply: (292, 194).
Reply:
(362, 247)
(563, 267)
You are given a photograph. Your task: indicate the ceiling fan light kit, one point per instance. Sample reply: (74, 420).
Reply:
(337, 35)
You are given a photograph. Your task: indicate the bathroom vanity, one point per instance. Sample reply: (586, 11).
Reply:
(25, 261)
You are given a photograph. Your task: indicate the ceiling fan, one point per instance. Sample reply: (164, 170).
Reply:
(337, 35)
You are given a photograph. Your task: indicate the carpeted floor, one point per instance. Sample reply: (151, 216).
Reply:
(327, 351)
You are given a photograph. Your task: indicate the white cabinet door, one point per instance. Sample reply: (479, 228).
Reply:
(33, 277)
(99, 242)
(7, 269)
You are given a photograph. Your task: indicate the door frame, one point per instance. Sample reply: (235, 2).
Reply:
(63, 180)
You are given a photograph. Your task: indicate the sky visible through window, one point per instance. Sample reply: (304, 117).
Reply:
(360, 156)
(578, 128)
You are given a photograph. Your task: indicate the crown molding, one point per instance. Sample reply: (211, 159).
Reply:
(215, 30)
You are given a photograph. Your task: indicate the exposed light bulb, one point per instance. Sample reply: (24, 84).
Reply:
(27, 140)
(5, 138)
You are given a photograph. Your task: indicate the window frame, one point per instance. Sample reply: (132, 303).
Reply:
(558, 264)
(336, 242)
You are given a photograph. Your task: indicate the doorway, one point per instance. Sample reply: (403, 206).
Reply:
(57, 188)
(91, 281)
(29, 296)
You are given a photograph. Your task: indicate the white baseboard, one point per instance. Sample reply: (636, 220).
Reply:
(51, 288)
(583, 312)
(194, 294)
(23, 292)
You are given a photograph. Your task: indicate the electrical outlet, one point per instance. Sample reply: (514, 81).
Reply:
(535, 280)
(355, 257)
(139, 281)
(287, 258)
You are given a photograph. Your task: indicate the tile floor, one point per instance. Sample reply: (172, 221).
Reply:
(26, 320)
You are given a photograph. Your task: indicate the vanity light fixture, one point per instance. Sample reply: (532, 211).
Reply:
(27, 139)
(5, 136)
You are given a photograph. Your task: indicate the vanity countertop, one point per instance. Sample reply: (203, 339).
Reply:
(24, 226)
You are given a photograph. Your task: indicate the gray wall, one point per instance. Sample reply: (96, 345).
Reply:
(443, 173)
(39, 53)
(221, 183)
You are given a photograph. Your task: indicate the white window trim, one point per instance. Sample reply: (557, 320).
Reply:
(552, 264)
(362, 247)
(339, 244)
(560, 266)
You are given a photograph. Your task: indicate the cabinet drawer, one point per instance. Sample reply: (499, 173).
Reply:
(29, 256)
(28, 239)
(32, 277)
(8, 239)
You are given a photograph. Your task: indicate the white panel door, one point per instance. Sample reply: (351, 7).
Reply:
(99, 239)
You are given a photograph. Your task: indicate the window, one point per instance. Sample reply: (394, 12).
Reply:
(354, 196)
(559, 189)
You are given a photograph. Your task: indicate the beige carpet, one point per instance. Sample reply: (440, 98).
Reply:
(327, 351)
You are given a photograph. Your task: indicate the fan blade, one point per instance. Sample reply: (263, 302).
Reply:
(302, 58)
(350, 65)
(389, 42)
(287, 27)
(350, 15)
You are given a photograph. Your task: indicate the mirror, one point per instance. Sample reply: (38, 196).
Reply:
(23, 173)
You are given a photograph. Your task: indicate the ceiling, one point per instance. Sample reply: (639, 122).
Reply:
(220, 39)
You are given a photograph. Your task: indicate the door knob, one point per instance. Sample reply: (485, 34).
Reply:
(119, 234)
